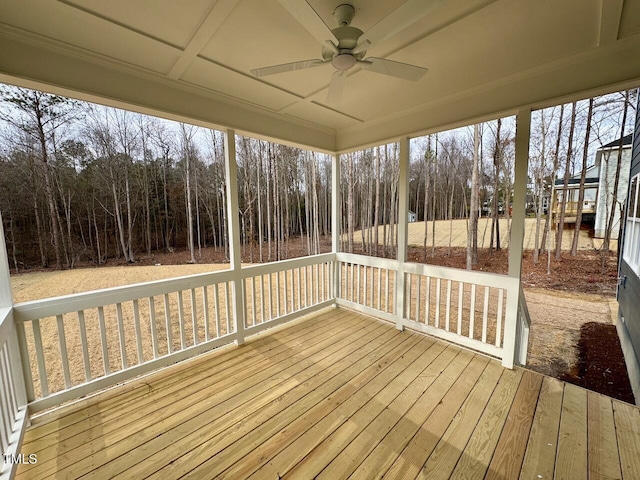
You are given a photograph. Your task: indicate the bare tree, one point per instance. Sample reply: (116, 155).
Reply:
(556, 156)
(39, 114)
(472, 236)
(567, 174)
(187, 133)
(583, 176)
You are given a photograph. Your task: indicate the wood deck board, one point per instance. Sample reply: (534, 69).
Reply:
(193, 396)
(111, 418)
(476, 456)
(571, 458)
(352, 455)
(627, 420)
(343, 422)
(121, 399)
(382, 457)
(337, 395)
(509, 454)
(444, 458)
(453, 391)
(261, 342)
(315, 444)
(347, 399)
(245, 384)
(604, 459)
(540, 458)
(269, 419)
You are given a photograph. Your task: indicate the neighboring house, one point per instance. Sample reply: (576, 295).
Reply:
(598, 193)
(607, 159)
(628, 324)
(533, 199)
(570, 197)
(413, 217)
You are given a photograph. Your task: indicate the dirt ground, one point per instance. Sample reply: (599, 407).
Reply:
(456, 230)
(556, 319)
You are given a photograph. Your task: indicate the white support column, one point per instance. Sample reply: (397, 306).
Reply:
(231, 172)
(403, 228)
(6, 301)
(6, 295)
(335, 220)
(523, 131)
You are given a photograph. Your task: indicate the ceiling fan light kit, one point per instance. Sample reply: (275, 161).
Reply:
(346, 46)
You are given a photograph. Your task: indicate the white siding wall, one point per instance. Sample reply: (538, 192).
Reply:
(609, 160)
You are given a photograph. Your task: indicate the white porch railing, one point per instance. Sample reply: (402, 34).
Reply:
(13, 403)
(119, 333)
(277, 292)
(367, 284)
(464, 307)
(74, 345)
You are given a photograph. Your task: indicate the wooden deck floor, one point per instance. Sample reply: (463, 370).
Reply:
(334, 396)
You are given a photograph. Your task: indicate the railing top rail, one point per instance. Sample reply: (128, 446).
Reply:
(70, 303)
(272, 267)
(388, 263)
(467, 276)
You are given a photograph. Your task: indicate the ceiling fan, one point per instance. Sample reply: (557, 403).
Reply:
(346, 46)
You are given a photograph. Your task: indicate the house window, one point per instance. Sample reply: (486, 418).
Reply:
(631, 252)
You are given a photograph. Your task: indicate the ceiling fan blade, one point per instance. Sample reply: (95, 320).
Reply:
(393, 69)
(336, 87)
(307, 16)
(406, 14)
(287, 67)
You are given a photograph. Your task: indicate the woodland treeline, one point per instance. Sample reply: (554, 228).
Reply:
(81, 183)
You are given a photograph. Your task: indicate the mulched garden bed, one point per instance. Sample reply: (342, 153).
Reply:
(601, 366)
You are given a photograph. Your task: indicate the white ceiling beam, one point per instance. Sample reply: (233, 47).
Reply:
(308, 18)
(595, 72)
(610, 15)
(210, 25)
(49, 66)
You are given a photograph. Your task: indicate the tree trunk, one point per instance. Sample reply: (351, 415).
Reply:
(472, 237)
(583, 176)
(269, 217)
(43, 256)
(129, 216)
(540, 188)
(53, 214)
(259, 186)
(427, 185)
(563, 207)
(556, 155)
(118, 216)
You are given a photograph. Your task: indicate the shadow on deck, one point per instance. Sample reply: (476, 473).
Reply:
(334, 395)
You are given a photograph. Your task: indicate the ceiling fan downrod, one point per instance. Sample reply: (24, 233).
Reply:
(344, 14)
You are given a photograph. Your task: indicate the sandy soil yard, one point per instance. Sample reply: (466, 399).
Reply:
(457, 231)
(556, 318)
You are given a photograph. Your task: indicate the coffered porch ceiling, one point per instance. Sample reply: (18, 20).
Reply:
(192, 60)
